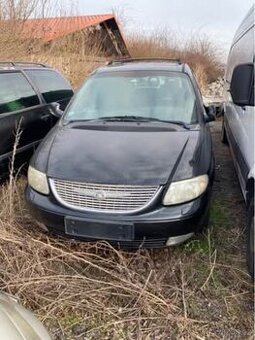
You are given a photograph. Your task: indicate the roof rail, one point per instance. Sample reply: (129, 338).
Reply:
(21, 63)
(133, 60)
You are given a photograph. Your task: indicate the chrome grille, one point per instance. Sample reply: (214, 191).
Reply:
(103, 197)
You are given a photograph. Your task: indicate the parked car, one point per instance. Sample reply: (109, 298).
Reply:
(29, 98)
(130, 161)
(17, 323)
(238, 123)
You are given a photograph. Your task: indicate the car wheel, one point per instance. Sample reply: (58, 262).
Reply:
(224, 137)
(250, 241)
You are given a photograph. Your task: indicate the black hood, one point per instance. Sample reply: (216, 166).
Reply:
(134, 157)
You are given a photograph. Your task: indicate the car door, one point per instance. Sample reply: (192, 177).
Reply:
(240, 132)
(239, 120)
(52, 85)
(20, 106)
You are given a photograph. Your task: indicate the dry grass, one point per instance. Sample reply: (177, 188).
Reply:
(91, 291)
(75, 67)
(65, 54)
(198, 51)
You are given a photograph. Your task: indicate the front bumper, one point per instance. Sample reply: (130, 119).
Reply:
(152, 228)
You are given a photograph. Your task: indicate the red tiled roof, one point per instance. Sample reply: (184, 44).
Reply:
(49, 29)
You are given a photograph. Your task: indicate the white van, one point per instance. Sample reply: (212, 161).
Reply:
(239, 118)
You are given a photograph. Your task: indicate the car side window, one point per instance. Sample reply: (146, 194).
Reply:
(16, 93)
(51, 84)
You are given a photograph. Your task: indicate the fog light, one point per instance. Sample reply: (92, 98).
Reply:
(175, 240)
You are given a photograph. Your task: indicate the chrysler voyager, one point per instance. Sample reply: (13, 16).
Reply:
(131, 159)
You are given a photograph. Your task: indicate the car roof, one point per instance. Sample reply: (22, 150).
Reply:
(246, 25)
(21, 65)
(145, 64)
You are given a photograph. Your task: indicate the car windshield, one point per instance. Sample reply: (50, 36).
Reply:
(165, 96)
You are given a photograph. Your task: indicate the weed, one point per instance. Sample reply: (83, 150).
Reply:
(218, 215)
(197, 246)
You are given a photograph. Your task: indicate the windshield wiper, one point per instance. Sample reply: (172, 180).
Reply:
(178, 122)
(144, 119)
(149, 119)
(126, 118)
(132, 118)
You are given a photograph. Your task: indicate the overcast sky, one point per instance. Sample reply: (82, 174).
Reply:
(217, 18)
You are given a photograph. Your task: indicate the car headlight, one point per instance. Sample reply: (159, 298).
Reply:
(186, 190)
(38, 181)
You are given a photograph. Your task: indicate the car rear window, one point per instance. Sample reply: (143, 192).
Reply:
(16, 93)
(51, 84)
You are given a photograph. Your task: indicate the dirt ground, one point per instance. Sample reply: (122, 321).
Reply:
(199, 290)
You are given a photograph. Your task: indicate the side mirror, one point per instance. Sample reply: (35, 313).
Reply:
(55, 110)
(210, 113)
(242, 85)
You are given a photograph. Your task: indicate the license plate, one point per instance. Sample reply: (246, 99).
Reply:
(93, 229)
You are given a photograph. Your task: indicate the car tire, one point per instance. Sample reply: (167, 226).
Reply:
(224, 137)
(250, 240)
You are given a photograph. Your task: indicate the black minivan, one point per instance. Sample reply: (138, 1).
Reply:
(131, 159)
(30, 94)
